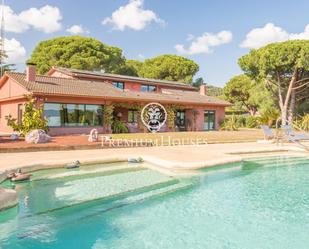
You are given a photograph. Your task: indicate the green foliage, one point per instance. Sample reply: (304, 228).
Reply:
(230, 123)
(134, 66)
(214, 91)
(32, 119)
(282, 67)
(305, 123)
(252, 122)
(198, 82)
(119, 126)
(77, 52)
(171, 116)
(269, 116)
(238, 91)
(108, 114)
(169, 67)
(302, 123)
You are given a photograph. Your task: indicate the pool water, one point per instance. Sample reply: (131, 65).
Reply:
(259, 203)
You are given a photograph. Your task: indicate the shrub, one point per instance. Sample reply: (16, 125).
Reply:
(305, 122)
(269, 116)
(230, 123)
(252, 122)
(32, 119)
(119, 126)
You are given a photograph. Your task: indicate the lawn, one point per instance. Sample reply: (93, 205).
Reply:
(242, 135)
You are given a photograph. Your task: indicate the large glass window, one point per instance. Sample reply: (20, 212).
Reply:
(132, 116)
(93, 115)
(148, 88)
(119, 85)
(52, 114)
(73, 114)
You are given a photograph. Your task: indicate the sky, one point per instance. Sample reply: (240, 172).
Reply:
(212, 33)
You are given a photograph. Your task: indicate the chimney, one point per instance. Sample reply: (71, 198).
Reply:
(30, 72)
(203, 89)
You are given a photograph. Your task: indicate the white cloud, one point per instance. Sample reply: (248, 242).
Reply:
(46, 19)
(76, 29)
(270, 33)
(133, 16)
(15, 51)
(203, 44)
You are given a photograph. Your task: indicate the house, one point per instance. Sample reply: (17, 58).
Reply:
(74, 100)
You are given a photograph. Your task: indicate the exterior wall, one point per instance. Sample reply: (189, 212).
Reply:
(11, 95)
(200, 116)
(11, 89)
(8, 108)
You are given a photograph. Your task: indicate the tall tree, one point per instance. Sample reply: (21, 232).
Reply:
(77, 52)
(169, 67)
(284, 68)
(238, 92)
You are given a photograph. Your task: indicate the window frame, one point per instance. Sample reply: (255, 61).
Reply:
(135, 115)
(117, 83)
(147, 87)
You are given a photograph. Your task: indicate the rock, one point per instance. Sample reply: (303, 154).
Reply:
(37, 137)
(8, 198)
(14, 136)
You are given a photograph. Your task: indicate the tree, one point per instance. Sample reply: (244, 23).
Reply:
(238, 92)
(198, 82)
(77, 52)
(283, 68)
(135, 66)
(169, 67)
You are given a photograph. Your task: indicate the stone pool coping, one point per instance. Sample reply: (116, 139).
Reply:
(167, 157)
(169, 160)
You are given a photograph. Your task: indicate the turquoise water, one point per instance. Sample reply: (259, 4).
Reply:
(259, 203)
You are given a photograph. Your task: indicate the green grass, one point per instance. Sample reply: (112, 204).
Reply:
(243, 135)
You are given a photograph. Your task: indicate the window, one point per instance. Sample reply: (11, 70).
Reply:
(180, 119)
(73, 114)
(132, 116)
(209, 120)
(148, 88)
(119, 85)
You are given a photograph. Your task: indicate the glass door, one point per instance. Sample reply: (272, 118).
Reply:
(209, 120)
(180, 120)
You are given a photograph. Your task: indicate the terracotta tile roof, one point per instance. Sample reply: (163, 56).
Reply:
(74, 87)
(87, 74)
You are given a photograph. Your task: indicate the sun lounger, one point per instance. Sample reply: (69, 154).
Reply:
(268, 134)
(292, 135)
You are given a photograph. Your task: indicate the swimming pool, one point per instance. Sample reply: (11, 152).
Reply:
(259, 203)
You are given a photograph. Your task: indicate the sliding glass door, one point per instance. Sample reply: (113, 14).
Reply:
(209, 120)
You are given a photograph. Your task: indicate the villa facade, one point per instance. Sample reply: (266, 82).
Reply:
(74, 101)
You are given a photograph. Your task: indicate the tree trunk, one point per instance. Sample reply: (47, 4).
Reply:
(292, 106)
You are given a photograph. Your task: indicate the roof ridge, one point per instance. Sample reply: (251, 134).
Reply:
(71, 70)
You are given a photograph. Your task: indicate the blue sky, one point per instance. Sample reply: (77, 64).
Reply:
(212, 33)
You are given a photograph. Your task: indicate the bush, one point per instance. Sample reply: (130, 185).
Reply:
(230, 123)
(302, 123)
(32, 119)
(119, 126)
(269, 116)
(252, 122)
